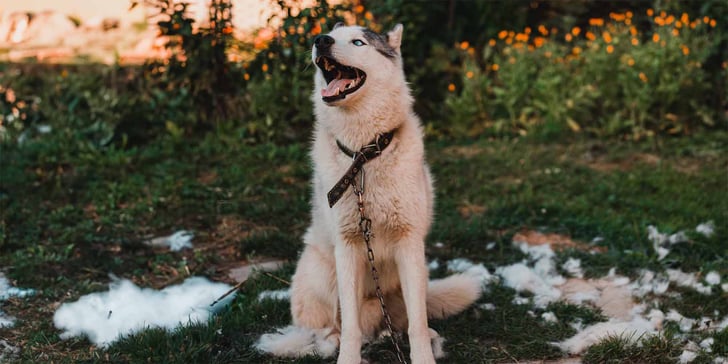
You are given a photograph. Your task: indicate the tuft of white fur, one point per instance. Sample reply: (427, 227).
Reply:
(296, 342)
(632, 330)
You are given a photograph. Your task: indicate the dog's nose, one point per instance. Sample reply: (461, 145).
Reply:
(323, 42)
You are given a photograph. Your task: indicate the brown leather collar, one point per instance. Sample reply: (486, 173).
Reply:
(365, 154)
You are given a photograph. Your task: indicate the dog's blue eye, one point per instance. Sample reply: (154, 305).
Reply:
(358, 42)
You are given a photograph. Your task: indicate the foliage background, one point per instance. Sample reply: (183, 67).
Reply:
(474, 68)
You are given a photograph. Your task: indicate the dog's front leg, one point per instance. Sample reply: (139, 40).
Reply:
(410, 258)
(349, 271)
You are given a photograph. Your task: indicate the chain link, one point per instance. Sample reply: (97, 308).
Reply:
(365, 226)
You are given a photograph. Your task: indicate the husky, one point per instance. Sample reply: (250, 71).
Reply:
(365, 121)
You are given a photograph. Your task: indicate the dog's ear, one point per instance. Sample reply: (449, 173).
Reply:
(339, 24)
(394, 37)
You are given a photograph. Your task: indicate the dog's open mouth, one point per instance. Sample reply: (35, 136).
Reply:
(340, 80)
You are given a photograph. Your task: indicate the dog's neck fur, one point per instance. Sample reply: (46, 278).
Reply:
(385, 111)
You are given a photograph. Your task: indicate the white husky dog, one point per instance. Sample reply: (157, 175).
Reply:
(362, 104)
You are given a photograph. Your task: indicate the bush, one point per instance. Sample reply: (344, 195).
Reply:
(609, 78)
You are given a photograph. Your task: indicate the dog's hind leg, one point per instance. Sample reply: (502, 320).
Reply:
(313, 289)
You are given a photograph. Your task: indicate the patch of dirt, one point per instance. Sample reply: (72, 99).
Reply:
(468, 210)
(602, 164)
(464, 151)
(558, 242)
(245, 269)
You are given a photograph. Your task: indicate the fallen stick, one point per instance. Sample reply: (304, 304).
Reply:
(237, 287)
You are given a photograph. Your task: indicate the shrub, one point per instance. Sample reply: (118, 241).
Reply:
(609, 78)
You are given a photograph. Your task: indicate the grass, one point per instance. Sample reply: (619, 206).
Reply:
(72, 215)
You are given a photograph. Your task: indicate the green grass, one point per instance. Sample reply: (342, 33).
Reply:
(72, 214)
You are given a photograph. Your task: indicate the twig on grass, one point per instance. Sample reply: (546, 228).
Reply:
(277, 278)
(237, 287)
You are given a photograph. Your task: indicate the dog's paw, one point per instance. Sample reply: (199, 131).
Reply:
(349, 358)
(436, 341)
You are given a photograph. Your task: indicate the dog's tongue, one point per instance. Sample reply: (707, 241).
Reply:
(332, 89)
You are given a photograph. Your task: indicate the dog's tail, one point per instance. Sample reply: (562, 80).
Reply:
(451, 295)
(296, 342)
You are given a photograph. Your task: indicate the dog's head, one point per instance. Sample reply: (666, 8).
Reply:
(353, 61)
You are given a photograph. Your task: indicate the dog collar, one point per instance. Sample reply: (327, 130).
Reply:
(365, 154)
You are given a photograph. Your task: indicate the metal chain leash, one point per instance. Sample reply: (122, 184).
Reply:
(365, 226)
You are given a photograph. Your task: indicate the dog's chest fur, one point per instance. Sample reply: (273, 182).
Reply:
(397, 194)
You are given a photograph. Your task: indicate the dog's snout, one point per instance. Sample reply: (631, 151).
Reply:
(323, 42)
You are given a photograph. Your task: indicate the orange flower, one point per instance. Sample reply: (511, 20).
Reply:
(491, 42)
(630, 62)
(494, 67)
(542, 29)
(685, 49)
(655, 37)
(643, 77)
(246, 77)
(568, 37)
(575, 31)
(368, 16)
(675, 32)
(316, 29)
(617, 17)
(521, 37)
(659, 21)
(464, 45)
(576, 51)
(502, 34)
(227, 30)
(669, 20)
(590, 36)
(451, 87)
(547, 54)
(713, 23)
(596, 22)
(628, 14)
(633, 31)
(607, 37)
(635, 41)
(706, 19)
(538, 41)
(610, 48)
(359, 9)
(685, 18)
(678, 24)
(469, 74)
(650, 12)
